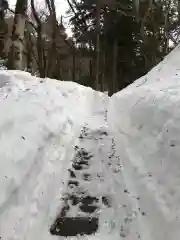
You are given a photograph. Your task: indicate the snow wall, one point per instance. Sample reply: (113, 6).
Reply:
(40, 123)
(145, 120)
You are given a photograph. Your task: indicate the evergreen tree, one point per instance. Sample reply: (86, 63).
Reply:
(133, 37)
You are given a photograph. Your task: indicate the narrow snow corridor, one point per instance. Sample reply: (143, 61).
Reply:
(60, 174)
(78, 165)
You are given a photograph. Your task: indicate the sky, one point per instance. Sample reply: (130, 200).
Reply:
(61, 8)
(61, 5)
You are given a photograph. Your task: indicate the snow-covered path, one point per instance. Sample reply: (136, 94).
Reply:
(74, 161)
(40, 124)
(56, 144)
(95, 198)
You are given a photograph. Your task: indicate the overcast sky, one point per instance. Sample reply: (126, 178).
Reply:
(61, 5)
(61, 8)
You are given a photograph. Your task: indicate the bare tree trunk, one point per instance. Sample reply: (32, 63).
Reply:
(166, 40)
(40, 46)
(58, 67)
(98, 10)
(3, 25)
(15, 60)
(115, 54)
(90, 71)
(53, 49)
(74, 65)
(112, 83)
(29, 52)
(103, 70)
(166, 24)
(104, 83)
(178, 9)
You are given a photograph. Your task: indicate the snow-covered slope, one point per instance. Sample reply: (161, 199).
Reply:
(145, 119)
(39, 125)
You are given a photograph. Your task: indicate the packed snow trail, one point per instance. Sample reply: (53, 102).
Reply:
(95, 200)
(41, 154)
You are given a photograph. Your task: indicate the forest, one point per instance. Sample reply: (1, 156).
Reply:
(113, 42)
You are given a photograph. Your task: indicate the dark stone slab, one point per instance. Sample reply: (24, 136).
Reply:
(69, 226)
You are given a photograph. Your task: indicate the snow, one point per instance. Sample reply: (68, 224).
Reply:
(130, 142)
(39, 125)
(145, 119)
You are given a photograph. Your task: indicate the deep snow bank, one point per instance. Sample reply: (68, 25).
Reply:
(39, 124)
(145, 119)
